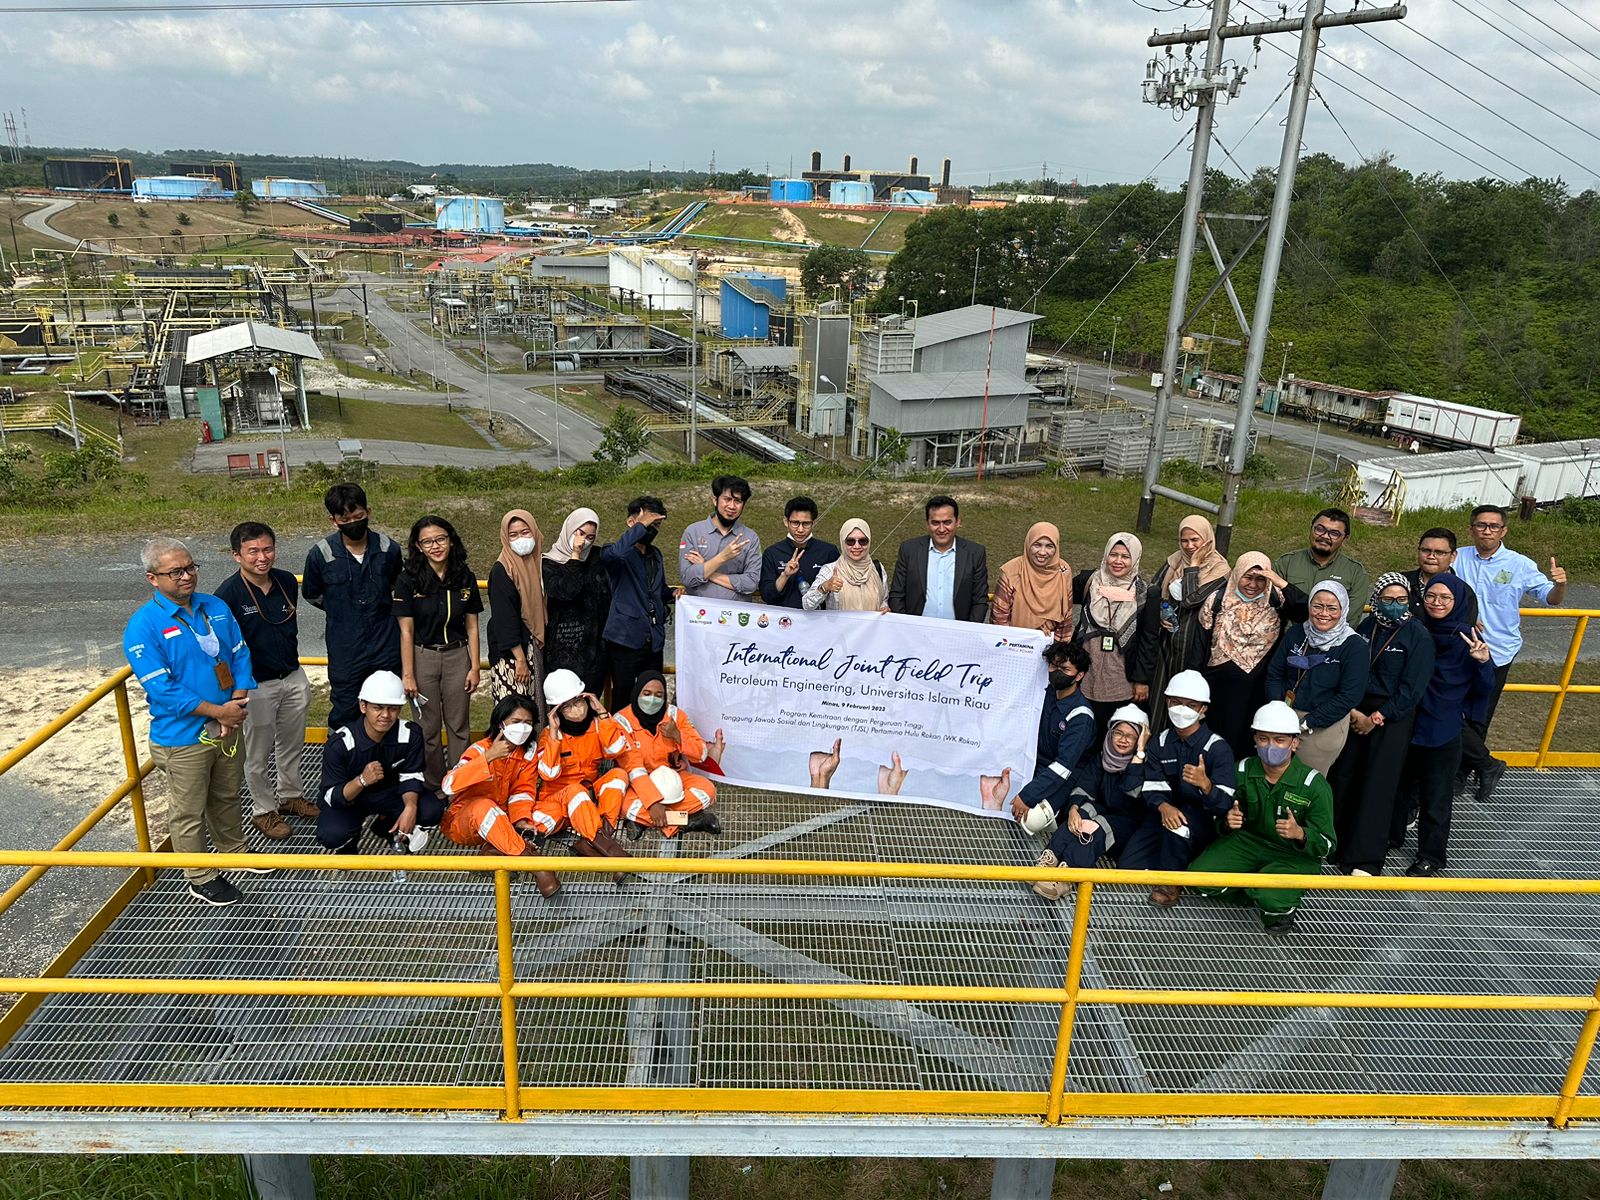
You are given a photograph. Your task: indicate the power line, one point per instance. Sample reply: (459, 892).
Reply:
(288, 6)
(1562, 5)
(1560, 33)
(1543, 44)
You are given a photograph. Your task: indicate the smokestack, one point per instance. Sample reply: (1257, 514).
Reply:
(913, 169)
(944, 174)
(846, 166)
(816, 160)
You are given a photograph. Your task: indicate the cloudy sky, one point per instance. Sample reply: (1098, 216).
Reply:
(1000, 86)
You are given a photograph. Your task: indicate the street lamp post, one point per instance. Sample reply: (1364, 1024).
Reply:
(1284, 367)
(283, 423)
(833, 425)
(694, 359)
(1111, 359)
(555, 381)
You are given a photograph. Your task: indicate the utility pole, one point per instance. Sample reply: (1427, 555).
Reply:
(1181, 87)
(694, 359)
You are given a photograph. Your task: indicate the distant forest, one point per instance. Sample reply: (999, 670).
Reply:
(1476, 291)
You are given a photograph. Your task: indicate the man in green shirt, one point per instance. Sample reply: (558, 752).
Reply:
(1281, 822)
(1323, 560)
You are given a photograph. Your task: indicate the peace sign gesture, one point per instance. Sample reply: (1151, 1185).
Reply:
(1476, 646)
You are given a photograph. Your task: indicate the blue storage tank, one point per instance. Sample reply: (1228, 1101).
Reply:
(288, 189)
(747, 302)
(176, 187)
(471, 214)
(914, 198)
(849, 191)
(792, 191)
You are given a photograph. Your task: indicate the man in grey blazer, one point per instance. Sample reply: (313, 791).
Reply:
(941, 575)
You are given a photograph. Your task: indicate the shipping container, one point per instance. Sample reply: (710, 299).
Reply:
(1450, 480)
(1445, 424)
(470, 214)
(792, 191)
(849, 191)
(1554, 471)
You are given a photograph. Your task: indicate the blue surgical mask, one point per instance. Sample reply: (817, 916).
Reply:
(1393, 610)
(1274, 756)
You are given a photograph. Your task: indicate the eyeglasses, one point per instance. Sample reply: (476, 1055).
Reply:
(1431, 553)
(1329, 531)
(797, 523)
(1487, 526)
(857, 541)
(1326, 610)
(1436, 598)
(433, 543)
(188, 572)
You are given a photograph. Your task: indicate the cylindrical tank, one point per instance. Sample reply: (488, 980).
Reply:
(944, 174)
(816, 160)
(912, 170)
(846, 166)
(791, 191)
(849, 191)
(470, 214)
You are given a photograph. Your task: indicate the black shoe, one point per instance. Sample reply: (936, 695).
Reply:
(703, 821)
(1278, 926)
(633, 829)
(1489, 778)
(1423, 869)
(218, 892)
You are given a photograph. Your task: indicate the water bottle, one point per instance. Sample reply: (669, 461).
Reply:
(402, 845)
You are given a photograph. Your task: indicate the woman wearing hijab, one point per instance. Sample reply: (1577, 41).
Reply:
(1320, 670)
(1109, 599)
(1105, 807)
(1458, 690)
(1169, 638)
(1244, 621)
(1366, 777)
(855, 581)
(1034, 590)
(516, 612)
(664, 792)
(577, 598)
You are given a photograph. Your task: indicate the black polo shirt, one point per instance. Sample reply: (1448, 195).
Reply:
(268, 620)
(440, 613)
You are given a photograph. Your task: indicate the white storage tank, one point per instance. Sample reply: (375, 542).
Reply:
(1443, 423)
(1558, 470)
(1449, 480)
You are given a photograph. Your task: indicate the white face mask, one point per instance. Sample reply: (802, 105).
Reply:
(517, 733)
(1182, 716)
(522, 546)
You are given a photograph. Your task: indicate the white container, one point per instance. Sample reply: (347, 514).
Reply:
(1558, 470)
(1444, 423)
(1449, 480)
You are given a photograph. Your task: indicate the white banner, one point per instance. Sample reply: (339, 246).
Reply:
(865, 705)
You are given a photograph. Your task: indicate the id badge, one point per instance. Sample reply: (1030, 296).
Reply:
(224, 676)
(1288, 697)
(1108, 645)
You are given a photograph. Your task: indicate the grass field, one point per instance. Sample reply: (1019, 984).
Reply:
(210, 218)
(112, 1177)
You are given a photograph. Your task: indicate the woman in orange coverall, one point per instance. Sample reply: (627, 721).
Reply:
(663, 736)
(492, 791)
(572, 789)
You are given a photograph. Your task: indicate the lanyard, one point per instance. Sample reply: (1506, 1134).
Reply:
(260, 600)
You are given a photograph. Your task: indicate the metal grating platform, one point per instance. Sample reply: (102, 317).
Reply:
(835, 929)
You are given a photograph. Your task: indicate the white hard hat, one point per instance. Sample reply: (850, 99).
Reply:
(1189, 685)
(1276, 717)
(1041, 818)
(383, 687)
(561, 686)
(1132, 714)
(669, 783)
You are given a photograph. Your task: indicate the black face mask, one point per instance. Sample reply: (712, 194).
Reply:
(355, 531)
(650, 532)
(581, 725)
(1060, 681)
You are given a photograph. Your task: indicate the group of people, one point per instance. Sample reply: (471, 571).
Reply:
(1182, 704)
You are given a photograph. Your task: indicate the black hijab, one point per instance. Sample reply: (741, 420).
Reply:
(646, 719)
(1453, 665)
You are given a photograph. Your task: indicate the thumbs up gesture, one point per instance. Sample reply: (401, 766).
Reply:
(1235, 817)
(1558, 574)
(1196, 777)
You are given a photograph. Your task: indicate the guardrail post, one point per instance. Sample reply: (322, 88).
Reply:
(130, 758)
(1579, 1065)
(508, 1004)
(280, 1176)
(1561, 696)
(1023, 1178)
(1361, 1179)
(658, 1178)
(1069, 1006)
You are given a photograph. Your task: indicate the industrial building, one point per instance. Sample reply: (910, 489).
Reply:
(470, 214)
(653, 279)
(289, 189)
(881, 185)
(748, 300)
(225, 171)
(247, 367)
(95, 173)
(178, 187)
(960, 340)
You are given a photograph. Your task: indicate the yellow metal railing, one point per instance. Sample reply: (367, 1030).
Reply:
(1054, 1105)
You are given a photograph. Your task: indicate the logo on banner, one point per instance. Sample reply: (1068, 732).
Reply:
(744, 618)
(761, 621)
(784, 622)
(1008, 644)
(724, 617)
(701, 617)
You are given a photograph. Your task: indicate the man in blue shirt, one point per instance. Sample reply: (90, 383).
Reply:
(942, 575)
(641, 602)
(1066, 735)
(1501, 579)
(790, 565)
(186, 651)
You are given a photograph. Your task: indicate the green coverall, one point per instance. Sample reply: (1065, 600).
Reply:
(1258, 848)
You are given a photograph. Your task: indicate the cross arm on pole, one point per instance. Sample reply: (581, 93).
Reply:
(1361, 16)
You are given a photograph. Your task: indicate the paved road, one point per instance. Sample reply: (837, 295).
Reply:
(39, 221)
(214, 456)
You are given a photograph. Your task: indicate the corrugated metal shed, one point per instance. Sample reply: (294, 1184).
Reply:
(964, 322)
(766, 358)
(947, 385)
(248, 335)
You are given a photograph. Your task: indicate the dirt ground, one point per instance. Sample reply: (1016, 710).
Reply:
(792, 228)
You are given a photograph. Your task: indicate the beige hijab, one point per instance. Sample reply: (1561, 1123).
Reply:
(863, 589)
(1245, 631)
(1113, 603)
(1039, 594)
(561, 552)
(525, 573)
(1211, 565)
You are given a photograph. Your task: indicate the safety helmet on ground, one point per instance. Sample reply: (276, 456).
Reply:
(1040, 819)
(1189, 685)
(1132, 714)
(561, 686)
(383, 687)
(1276, 717)
(669, 783)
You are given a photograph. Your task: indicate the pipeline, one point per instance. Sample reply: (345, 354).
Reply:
(669, 395)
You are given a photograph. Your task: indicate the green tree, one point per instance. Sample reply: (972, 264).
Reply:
(113, 220)
(893, 450)
(185, 219)
(245, 200)
(624, 436)
(830, 266)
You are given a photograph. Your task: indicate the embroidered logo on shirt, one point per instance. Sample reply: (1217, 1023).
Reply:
(1504, 577)
(171, 631)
